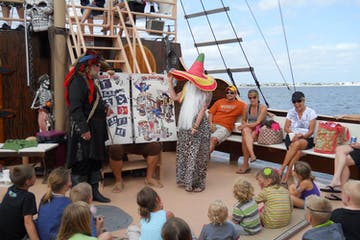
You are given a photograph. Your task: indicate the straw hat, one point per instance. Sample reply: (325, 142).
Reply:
(196, 75)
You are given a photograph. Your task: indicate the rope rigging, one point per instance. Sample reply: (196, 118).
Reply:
(228, 70)
(267, 44)
(286, 43)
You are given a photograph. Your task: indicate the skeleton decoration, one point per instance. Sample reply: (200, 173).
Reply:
(43, 101)
(41, 13)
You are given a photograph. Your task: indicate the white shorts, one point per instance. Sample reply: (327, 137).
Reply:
(221, 133)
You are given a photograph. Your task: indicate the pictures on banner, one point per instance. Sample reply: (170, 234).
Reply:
(153, 109)
(147, 117)
(115, 92)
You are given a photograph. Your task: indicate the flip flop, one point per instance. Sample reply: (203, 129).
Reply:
(331, 189)
(153, 183)
(240, 171)
(253, 159)
(333, 197)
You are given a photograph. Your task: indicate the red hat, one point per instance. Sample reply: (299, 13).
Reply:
(196, 75)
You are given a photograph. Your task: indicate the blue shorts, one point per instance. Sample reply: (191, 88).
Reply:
(93, 13)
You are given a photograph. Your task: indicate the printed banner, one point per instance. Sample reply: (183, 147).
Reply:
(153, 109)
(115, 92)
(147, 117)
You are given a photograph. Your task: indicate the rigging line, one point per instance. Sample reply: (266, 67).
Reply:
(245, 56)
(213, 33)
(286, 43)
(267, 44)
(188, 24)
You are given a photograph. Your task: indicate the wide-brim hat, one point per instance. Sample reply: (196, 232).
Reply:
(196, 75)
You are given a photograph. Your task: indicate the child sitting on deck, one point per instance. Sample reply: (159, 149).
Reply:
(153, 215)
(83, 192)
(176, 229)
(305, 184)
(19, 206)
(218, 228)
(75, 223)
(317, 213)
(245, 212)
(277, 208)
(53, 203)
(349, 215)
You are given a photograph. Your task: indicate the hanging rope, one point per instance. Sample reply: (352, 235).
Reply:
(286, 43)
(188, 24)
(267, 45)
(245, 56)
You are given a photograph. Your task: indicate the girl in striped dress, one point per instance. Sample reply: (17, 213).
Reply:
(276, 208)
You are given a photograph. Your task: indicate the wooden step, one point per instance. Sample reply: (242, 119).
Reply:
(217, 10)
(215, 71)
(211, 43)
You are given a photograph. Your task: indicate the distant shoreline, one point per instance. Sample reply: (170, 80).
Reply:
(343, 84)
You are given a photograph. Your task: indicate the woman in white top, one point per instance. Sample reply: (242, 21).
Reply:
(299, 126)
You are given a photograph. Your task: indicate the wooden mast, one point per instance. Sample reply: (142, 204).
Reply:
(58, 63)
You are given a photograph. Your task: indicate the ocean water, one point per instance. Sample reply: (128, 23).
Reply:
(325, 100)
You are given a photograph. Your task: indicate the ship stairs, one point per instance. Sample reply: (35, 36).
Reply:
(215, 41)
(126, 53)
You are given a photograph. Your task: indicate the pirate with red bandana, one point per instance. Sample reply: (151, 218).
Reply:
(88, 132)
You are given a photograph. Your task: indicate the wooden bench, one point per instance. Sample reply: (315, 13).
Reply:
(136, 162)
(276, 153)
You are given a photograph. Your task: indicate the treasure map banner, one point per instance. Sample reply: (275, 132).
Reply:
(147, 117)
(153, 109)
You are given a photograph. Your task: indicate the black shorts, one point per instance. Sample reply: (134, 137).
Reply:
(355, 155)
(117, 151)
(136, 7)
(310, 142)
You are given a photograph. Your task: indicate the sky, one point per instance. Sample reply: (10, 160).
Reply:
(323, 38)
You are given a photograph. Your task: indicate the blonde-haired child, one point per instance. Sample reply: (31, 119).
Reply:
(277, 205)
(53, 203)
(75, 223)
(219, 227)
(317, 213)
(153, 215)
(305, 185)
(349, 215)
(83, 192)
(245, 213)
(19, 206)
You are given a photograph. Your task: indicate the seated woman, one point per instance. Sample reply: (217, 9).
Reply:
(299, 126)
(255, 115)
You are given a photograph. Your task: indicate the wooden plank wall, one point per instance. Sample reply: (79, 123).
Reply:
(16, 94)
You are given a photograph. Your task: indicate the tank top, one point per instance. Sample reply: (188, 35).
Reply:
(313, 191)
(152, 230)
(253, 118)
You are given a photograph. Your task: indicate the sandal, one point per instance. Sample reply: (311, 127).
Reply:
(333, 197)
(241, 171)
(189, 189)
(118, 187)
(253, 159)
(153, 183)
(331, 189)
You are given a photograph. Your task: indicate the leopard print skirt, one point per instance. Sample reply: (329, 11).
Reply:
(192, 155)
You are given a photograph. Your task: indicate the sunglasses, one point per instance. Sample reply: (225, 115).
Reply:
(231, 93)
(252, 97)
(297, 101)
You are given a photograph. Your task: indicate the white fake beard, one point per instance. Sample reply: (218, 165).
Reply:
(193, 101)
